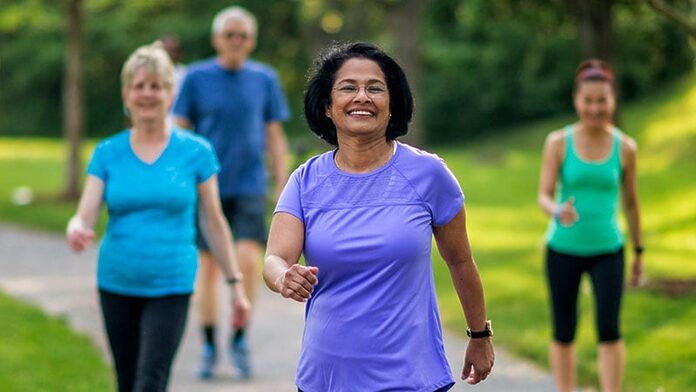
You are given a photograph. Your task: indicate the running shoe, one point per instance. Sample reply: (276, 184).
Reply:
(208, 361)
(239, 353)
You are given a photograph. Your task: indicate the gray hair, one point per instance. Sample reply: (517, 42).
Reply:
(237, 13)
(154, 59)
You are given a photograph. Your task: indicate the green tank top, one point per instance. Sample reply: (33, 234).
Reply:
(595, 186)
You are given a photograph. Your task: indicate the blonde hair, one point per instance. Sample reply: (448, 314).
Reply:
(237, 13)
(154, 59)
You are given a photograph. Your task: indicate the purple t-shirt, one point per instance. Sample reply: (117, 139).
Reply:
(372, 323)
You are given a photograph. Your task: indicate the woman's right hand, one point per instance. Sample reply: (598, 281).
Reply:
(298, 282)
(240, 311)
(566, 213)
(78, 235)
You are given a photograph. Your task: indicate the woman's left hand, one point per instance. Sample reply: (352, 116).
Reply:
(240, 311)
(636, 271)
(478, 361)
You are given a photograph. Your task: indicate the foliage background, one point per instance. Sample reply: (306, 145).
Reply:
(495, 63)
(484, 63)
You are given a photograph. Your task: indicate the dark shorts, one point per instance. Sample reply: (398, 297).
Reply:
(246, 217)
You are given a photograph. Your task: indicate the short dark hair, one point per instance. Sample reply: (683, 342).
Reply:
(317, 97)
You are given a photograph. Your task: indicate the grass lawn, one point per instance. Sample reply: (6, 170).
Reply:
(38, 353)
(499, 175)
(36, 163)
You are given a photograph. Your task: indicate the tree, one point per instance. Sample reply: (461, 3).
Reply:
(404, 25)
(594, 21)
(679, 17)
(73, 109)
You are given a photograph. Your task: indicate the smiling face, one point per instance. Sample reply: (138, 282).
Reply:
(234, 42)
(147, 98)
(595, 103)
(359, 99)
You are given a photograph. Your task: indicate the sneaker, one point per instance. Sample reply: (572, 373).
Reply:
(239, 353)
(208, 361)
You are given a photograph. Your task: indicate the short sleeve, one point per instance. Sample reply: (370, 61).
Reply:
(290, 200)
(207, 161)
(97, 163)
(184, 106)
(442, 193)
(276, 108)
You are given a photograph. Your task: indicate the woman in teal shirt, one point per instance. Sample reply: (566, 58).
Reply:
(151, 177)
(583, 168)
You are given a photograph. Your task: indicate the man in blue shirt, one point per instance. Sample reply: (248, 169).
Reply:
(238, 104)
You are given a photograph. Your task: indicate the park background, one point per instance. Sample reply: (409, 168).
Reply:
(491, 79)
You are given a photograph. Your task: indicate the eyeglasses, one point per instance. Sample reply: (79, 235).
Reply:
(374, 91)
(234, 34)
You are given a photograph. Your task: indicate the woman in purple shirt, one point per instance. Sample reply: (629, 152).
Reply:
(364, 215)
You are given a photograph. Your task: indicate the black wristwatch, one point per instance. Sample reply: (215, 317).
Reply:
(638, 249)
(488, 331)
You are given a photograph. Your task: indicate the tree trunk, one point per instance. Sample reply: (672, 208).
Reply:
(595, 32)
(404, 27)
(73, 98)
(594, 21)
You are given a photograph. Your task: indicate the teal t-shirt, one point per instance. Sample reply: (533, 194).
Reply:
(149, 245)
(595, 186)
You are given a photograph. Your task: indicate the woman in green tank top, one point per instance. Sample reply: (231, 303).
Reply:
(583, 168)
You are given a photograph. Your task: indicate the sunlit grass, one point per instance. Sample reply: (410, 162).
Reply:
(674, 121)
(36, 164)
(30, 149)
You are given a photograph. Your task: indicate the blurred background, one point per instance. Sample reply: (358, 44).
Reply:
(491, 79)
(476, 64)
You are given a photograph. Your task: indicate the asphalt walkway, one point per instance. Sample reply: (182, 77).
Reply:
(39, 268)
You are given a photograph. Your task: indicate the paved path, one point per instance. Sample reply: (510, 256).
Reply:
(39, 268)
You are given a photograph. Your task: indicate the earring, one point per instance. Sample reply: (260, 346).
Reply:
(125, 111)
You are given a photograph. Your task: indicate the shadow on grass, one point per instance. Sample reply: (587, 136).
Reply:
(672, 288)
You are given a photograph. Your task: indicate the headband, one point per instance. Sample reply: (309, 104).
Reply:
(595, 73)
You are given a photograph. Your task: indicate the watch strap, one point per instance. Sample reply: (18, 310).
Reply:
(486, 332)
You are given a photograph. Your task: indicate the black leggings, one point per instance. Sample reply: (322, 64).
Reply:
(564, 271)
(144, 334)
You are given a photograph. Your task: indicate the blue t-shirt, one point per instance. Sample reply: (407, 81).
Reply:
(231, 108)
(149, 246)
(373, 322)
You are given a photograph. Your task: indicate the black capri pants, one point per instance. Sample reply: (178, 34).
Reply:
(563, 272)
(144, 335)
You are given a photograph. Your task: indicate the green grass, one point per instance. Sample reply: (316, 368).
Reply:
(36, 164)
(38, 353)
(499, 176)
